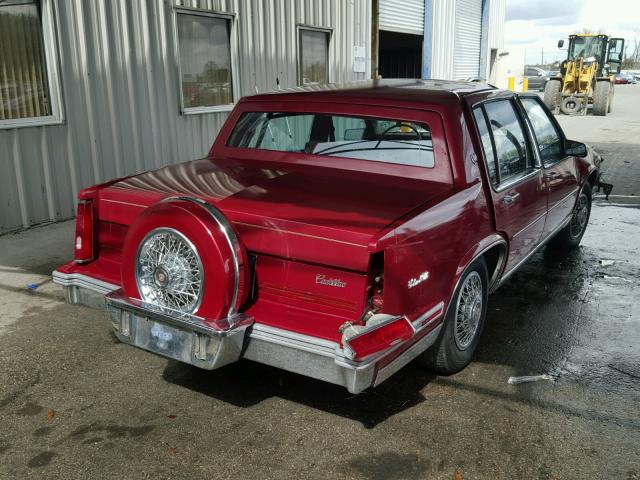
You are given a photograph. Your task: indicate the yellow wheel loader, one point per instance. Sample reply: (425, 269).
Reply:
(586, 76)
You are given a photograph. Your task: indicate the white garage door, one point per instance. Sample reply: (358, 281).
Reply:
(405, 16)
(466, 61)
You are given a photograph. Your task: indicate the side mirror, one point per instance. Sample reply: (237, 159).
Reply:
(560, 43)
(540, 74)
(575, 149)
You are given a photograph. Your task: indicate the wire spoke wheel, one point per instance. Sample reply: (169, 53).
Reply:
(579, 217)
(169, 271)
(468, 311)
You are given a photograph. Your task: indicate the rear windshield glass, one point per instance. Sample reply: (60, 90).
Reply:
(364, 138)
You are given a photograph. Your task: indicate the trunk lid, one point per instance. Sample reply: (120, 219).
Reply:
(317, 215)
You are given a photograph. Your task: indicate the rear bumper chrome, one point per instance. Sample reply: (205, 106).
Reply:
(211, 345)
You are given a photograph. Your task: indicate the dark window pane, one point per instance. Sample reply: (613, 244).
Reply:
(24, 89)
(485, 137)
(508, 137)
(314, 57)
(205, 60)
(375, 139)
(547, 136)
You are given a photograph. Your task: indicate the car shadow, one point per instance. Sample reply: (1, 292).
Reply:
(246, 383)
(522, 331)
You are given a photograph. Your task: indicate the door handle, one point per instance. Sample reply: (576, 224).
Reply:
(510, 198)
(552, 175)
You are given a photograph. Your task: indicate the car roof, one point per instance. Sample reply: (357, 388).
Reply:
(384, 91)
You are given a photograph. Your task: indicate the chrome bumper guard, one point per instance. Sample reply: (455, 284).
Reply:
(210, 345)
(176, 335)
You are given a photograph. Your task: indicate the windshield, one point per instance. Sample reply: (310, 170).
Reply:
(585, 47)
(375, 139)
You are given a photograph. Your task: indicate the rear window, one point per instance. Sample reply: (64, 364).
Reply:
(364, 138)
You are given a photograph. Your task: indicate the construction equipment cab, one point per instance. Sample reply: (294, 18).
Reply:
(586, 76)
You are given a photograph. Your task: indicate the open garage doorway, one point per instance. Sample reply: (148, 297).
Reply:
(399, 55)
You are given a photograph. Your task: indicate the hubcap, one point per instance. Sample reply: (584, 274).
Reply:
(468, 310)
(580, 216)
(169, 272)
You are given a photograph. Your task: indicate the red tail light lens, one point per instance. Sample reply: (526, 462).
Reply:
(380, 337)
(85, 232)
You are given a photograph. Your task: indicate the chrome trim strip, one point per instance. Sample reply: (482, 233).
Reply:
(431, 315)
(307, 343)
(83, 281)
(123, 203)
(534, 251)
(499, 267)
(411, 353)
(563, 199)
(512, 183)
(232, 239)
(530, 224)
(300, 234)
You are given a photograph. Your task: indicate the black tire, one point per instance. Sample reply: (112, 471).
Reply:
(570, 236)
(451, 352)
(571, 105)
(601, 98)
(552, 94)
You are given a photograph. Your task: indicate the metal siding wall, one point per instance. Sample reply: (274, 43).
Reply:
(497, 14)
(468, 33)
(406, 16)
(121, 92)
(443, 39)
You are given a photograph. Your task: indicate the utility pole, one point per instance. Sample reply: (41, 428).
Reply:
(542, 60)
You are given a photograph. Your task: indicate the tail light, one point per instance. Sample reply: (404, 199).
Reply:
(379, 337)
(85, 232)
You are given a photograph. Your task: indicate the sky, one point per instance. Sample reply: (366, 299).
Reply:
(538, 24)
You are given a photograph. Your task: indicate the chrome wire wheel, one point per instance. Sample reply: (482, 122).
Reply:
(580, 216)
(169, 271)
(468, 311)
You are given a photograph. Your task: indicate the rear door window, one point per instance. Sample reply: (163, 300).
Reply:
(487, 146)
(364, 138)
(507, 132)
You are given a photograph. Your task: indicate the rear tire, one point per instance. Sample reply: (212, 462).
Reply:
(570, 236)
(552, 94)
(571, 105)
(463, 324)
(601, 98)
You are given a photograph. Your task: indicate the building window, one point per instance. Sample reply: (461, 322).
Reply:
(313, 58)
(205, 61)
(28, 69)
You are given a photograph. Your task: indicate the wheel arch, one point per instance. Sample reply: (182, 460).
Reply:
(494, 250)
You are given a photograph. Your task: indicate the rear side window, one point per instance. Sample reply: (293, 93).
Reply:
(487, 147)
(547, 136)
(364, 138)
(509, 141)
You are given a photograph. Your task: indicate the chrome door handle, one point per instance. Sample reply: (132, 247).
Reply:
(510, 198)
(552, 175)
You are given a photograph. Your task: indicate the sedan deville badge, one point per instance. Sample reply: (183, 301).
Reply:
(417, 281)
(331, 282)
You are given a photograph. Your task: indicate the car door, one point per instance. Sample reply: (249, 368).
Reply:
(518, 187)
(560, 170)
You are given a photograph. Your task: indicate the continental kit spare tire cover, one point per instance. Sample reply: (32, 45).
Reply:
(184, 255)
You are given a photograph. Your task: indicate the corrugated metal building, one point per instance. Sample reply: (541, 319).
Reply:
(92, 90)
(446, 39)
(122, 98)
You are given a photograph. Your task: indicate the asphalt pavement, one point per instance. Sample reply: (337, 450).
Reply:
(76, 404)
